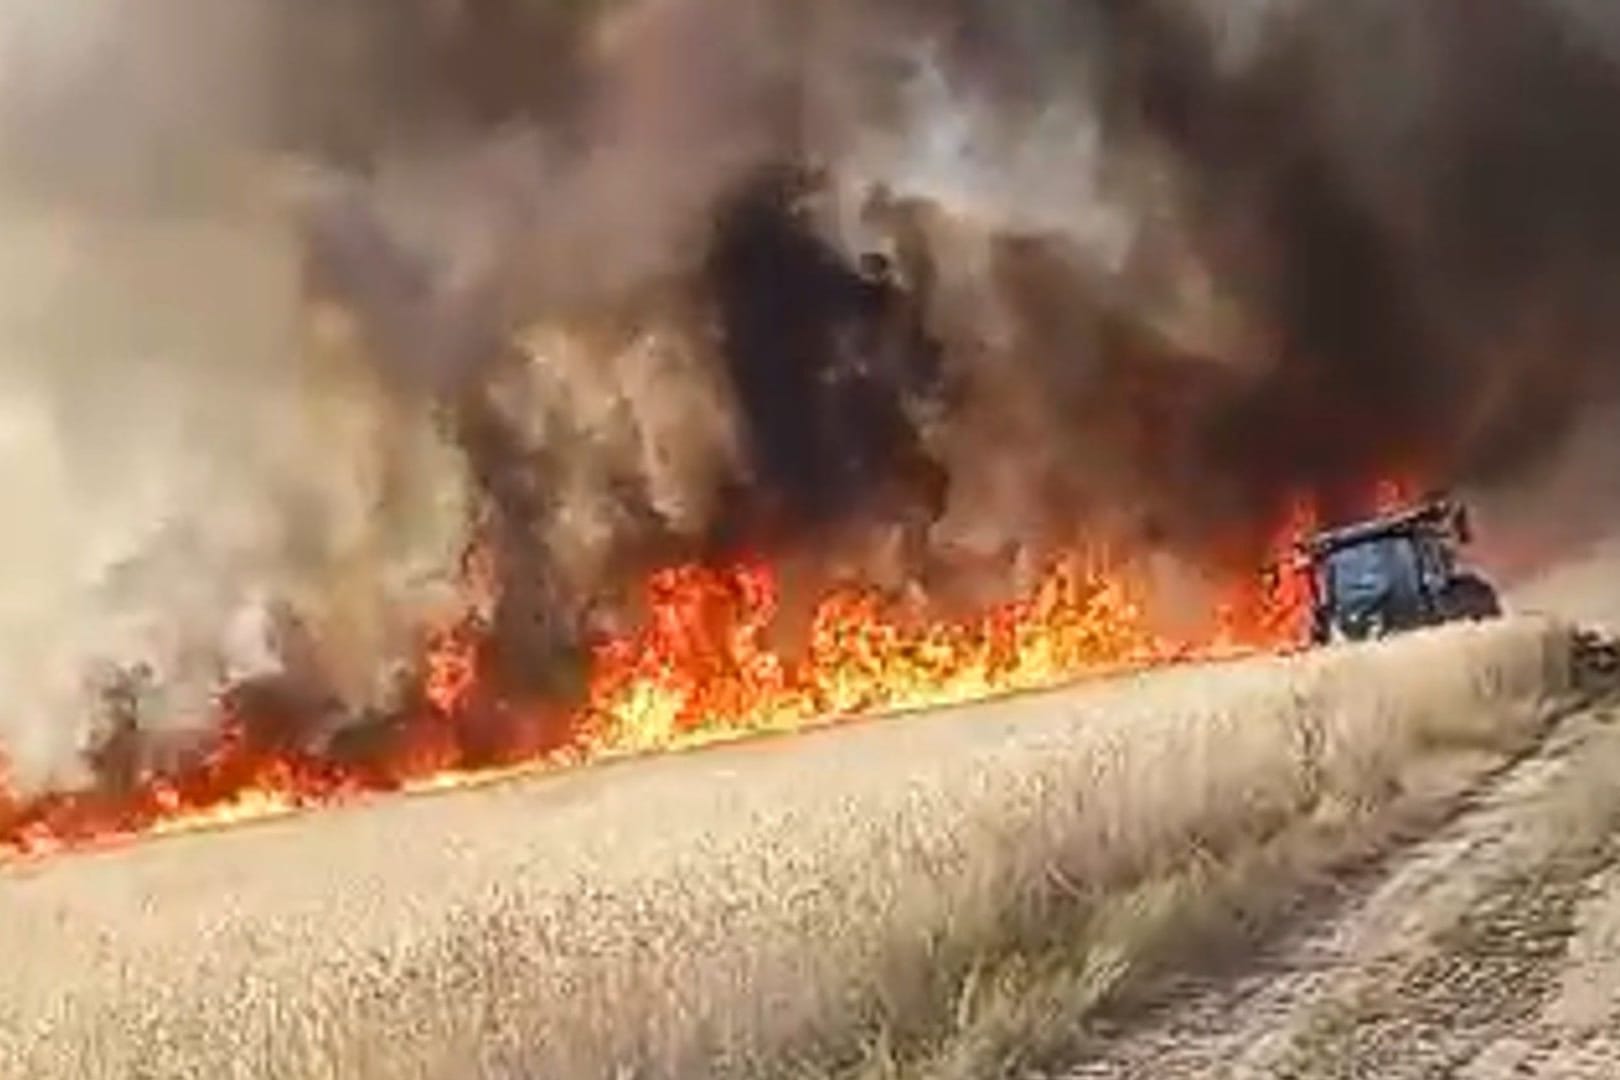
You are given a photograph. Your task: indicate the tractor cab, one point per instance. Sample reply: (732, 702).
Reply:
(1394, 573)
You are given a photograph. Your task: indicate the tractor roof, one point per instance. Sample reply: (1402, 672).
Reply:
(1404, 523)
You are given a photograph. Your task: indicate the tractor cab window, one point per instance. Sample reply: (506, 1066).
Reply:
(1394, 573)
(1368, 576)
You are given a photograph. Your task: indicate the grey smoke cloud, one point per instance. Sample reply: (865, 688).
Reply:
(177, 459)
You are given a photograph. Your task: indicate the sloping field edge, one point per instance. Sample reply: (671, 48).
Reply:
(869, 899)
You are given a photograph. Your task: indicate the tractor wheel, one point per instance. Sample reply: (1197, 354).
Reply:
(1469, 597)
(1363, 626)
(1321, 629)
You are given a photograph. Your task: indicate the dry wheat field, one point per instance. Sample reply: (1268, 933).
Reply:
(941, 894)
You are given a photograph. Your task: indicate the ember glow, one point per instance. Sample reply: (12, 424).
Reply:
(700, 669)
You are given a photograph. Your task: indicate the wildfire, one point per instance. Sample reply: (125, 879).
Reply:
(699, 669)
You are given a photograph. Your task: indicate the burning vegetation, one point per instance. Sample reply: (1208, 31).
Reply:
(629, 376)
(699, 670)
(829, 365)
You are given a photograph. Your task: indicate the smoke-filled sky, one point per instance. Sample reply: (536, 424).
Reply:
(296, 299)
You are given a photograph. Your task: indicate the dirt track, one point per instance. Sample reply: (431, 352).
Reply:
(1488, 950)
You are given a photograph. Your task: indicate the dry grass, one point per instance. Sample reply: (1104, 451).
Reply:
(935, 895)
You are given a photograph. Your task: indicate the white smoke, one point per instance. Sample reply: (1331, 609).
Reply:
(183, 450)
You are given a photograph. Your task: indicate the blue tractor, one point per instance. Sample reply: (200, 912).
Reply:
(1394, 573)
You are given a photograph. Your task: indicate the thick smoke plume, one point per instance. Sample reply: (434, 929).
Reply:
(320, 319)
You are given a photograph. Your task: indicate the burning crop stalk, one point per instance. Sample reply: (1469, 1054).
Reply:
(699, 670)
(608, 377)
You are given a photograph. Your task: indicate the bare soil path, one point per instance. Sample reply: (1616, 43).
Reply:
(1488, 949)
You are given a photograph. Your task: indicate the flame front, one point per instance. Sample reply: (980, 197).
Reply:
(699, 669)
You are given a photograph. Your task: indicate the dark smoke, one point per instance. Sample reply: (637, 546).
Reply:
(907, 290)
(1419, 200)
(1400, 220)
(822, 357)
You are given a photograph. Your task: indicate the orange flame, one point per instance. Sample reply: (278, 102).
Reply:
(699, 669)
